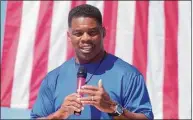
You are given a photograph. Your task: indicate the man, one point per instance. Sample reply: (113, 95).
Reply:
(114, 89)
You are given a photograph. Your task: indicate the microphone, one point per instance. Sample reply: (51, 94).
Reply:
(81, 80)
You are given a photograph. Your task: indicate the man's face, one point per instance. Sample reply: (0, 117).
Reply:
(86, 37)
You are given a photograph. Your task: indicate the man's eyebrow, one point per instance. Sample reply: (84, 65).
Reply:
(77, 30)
(96, 28)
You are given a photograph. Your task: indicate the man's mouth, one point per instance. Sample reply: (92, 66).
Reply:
(86, 48)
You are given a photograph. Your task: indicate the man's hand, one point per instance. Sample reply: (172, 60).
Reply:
(70, 105)
(98, 97)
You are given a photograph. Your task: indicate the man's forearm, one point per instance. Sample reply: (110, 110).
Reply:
(130, 115)
(126, 114)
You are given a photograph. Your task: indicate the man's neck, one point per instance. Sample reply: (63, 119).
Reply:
(97, 58)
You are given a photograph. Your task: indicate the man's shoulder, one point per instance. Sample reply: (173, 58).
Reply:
(61, 68)
(54, 74)
(123, 66)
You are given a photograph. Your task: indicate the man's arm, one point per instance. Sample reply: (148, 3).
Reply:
(135, 99)
(70, 105)
(44, 105)
(128, 115)
(136, 103)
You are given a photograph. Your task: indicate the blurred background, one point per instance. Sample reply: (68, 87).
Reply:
(154, 36)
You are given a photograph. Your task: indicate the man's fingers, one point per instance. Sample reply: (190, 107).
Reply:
(89, 103)
(90, 87)
(93, 99)
(71, 109)
(100, 85)
(86, 91)
(89, 98)
(75, 104)
(73, 97)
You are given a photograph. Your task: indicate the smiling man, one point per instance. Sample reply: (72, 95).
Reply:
(86, 35)
(114, 90)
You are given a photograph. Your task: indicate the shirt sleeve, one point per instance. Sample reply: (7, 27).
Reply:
(136, 98)
(44, 104)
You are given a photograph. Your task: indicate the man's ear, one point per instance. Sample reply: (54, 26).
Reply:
(68, 36)
(104, 31)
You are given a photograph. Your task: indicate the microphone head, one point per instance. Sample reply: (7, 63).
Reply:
(82, 72)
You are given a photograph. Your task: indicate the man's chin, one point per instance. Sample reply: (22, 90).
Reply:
(85, 56)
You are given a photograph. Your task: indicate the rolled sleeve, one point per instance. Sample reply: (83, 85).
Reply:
(136, 97)
(44, 104)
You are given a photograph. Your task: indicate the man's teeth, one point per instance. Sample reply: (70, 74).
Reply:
(87, 47)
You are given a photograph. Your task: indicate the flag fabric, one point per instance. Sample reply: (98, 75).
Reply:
(154, 36)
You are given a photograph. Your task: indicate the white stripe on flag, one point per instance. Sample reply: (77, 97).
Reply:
(58, 40)
(125, 30)
(184, 59)
(155, 56)
(23, 65)
(98, 4)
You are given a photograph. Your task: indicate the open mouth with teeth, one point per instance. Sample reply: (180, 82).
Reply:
(86, 49)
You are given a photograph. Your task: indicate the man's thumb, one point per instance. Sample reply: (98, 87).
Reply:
(100, 85)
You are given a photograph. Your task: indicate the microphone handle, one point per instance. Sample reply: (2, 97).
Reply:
(81, 82)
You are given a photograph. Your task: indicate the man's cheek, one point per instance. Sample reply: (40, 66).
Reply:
(75, 43)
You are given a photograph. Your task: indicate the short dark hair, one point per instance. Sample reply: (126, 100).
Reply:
(85, 10)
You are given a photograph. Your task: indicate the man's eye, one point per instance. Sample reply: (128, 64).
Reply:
(93, 33)
(78, 34)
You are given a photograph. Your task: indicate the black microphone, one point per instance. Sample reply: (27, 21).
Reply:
(81, 80)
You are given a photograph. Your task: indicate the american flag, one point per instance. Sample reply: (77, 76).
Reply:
(155, 36)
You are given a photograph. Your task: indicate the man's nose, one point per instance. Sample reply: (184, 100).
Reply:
(85, 37)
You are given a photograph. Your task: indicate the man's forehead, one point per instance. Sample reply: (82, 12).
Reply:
(83, 18)
(88, 28)
(84, 23)
(76, 21)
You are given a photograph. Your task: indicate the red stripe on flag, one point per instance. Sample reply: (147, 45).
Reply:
(140, 36)
(41, 48)
(11, 40)
(170, 90)
(110, 22)
(70, 50)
